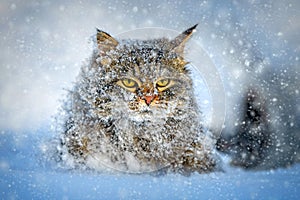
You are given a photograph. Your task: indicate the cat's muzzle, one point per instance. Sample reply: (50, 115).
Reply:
(149, 98)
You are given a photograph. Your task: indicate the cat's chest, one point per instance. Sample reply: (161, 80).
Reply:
(163, 132)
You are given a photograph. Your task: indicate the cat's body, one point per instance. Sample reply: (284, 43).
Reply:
(133, 109)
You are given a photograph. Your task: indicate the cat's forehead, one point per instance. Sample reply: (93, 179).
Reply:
(148, 57)
(146, 49)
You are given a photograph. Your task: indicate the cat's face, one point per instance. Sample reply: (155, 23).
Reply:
(149, 79)
(152, 88)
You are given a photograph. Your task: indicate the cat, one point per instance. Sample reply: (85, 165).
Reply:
(133, 109)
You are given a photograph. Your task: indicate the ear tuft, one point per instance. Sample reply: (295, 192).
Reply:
(179, 42)
(105, 42)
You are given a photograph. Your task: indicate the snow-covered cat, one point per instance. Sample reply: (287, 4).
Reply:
(133, 109)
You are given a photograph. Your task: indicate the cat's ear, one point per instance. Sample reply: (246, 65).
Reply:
(105, 42)
(179, 42)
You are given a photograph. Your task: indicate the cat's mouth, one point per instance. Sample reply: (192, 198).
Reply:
(146, 110)
(155, 112)
(144, 114)
(151, 114)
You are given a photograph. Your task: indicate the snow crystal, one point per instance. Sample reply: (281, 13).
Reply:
(247, 63)
(13, 6)
(62, 8)
(135, 9)
(279, 34)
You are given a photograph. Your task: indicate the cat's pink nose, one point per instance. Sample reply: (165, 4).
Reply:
(148, 99)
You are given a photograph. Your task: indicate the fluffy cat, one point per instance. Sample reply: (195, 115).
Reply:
(133, 109)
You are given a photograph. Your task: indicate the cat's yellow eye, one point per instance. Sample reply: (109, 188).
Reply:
(163, 84)
(129, 84)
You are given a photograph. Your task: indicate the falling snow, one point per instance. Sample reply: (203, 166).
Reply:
(253, 45)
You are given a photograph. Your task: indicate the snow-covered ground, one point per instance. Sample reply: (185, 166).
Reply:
(280, 184)
(43, 43)
(23, 175)
(235, 184)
